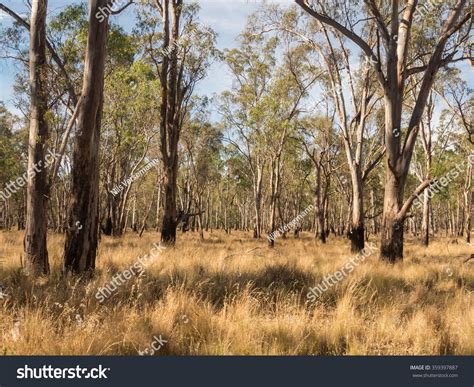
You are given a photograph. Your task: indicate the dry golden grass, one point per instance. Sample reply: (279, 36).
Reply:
(232, 295)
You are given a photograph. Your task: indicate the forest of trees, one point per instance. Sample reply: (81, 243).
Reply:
(362, 110)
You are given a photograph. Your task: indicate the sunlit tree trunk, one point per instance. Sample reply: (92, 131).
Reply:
(35, 245)
(468, 201)
(83, 217)
(258, 186)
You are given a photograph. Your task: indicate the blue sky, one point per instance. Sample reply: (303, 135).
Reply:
(226, 17)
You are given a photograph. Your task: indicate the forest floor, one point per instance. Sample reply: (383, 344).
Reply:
(232, 295)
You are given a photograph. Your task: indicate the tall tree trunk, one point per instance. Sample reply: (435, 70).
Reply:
(468, 200)
(274, 177)
(147, 214)
(200, 218)
(425, 227)
(83, 217)
(372, 212)
(391, 249)
(158, 206)
(357, 225)
(134, 212)
(321, 231)
(169, 224)
(258, 201)
(170, 121)
(35, 242)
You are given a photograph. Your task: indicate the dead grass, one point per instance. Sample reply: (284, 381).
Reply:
(232, 295)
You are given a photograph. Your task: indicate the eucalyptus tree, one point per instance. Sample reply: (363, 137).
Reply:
(319, 141)
(243, 108)
(459, 100)
(467, 194)
(12, 39)
(362, 155)
(63, 54)
(351, 88)
(395, 59)
(129, 137)
(13, 142)
(9, 146)
(235, 171)
(423, 172)
(180, 49)
(81, 240)
(35, 242)
(292, 83)
(202, 147)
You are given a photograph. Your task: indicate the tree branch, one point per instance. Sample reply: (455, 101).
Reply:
(407, 205)
(372, 165)
(54, 55)
(349, 34)
(123, 8)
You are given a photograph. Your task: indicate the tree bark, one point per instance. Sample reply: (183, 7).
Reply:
(170, 122)
(391, 249)
(319, 204)
(468, 200)
(169, 224)
(395, 35)
(35, 242)
(357, 232)
(83, 217)
(258, 201)
(425, 227)
(274, 189)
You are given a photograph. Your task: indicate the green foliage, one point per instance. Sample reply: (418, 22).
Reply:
(10, 147)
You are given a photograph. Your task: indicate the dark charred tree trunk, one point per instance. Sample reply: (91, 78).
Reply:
(391, 249)
(170, 223)
(319, 204)
(107, 228)
(357, 236)
(425, 227)
(357, 232)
